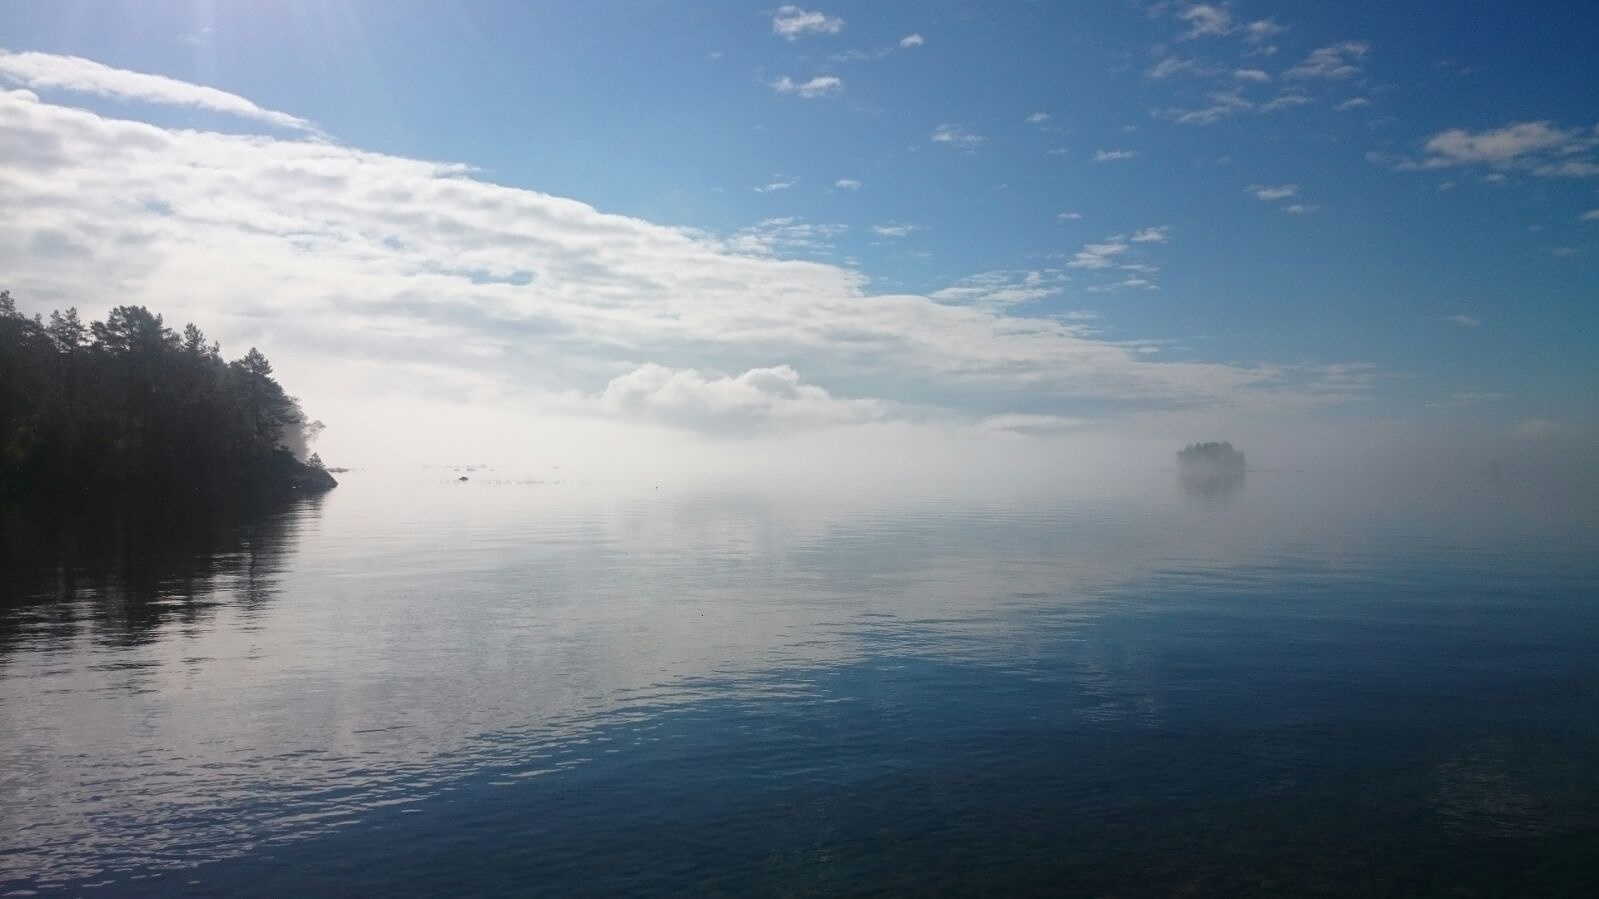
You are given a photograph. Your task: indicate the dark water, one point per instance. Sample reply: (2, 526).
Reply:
(1284, 687)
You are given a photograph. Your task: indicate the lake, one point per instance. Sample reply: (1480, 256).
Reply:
(1286, 685)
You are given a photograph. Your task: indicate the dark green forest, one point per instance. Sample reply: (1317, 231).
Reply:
(128, 405)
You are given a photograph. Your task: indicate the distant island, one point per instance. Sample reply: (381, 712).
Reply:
(1210, 460)
(129, 406)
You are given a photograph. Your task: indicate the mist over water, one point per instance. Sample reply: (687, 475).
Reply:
(508, 686)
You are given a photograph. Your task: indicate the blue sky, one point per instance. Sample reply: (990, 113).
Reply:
(1347, 212)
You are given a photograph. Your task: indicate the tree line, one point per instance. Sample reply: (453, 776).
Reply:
(128, 403)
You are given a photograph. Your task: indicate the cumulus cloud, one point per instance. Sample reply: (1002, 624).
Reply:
(79, 75)
(1157, 234)
(1541, 147)
(373, 276)
(756, 400)
(911, 40)
(820, 86)
(792, 23)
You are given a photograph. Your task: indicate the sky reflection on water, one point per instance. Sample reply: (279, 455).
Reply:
(624, 690)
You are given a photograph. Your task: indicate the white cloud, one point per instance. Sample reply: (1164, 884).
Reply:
(1001, 289)
(1332, 62)
(1025, 423)
(1074, 216)
(1113, 155)
(1285, 100)
(956, 136)
(1038, 118)
(1255, 75)
(756, 400)
(895, 229)
(848, 184)
(1541, 147)
(1465, 321)
(1568, 168)
(1222, 104)
(367, 277)
(73, 73)
(792, 23)
(786, 234)
(1099, 255)
(1271, 194)
(1205, 20)
(1591, 215)
(1261, 31)
(1299, 209)
(911, 40)
(1172, 66)
(1352, 103)
(773, 186)
(820, 86)
(1157, 234)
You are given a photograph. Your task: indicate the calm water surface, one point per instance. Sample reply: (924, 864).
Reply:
(1285, 687)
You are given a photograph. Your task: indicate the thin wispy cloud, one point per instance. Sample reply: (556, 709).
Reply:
(1113, 155)
(792, 23)
(1099, 255)
(1206, 20)
(820, 86)
(1038, 118)
(957, 136)
(1273, 193)
(998, 290)
(895, 229)
(1332, 62)
(848, 184)
(1261, 32)
(48, 71)
(1465, 321)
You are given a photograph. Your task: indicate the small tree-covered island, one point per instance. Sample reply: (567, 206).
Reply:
(1211, 459)
(127, 405)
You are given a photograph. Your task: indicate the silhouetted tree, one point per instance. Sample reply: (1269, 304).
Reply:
(127, 402)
